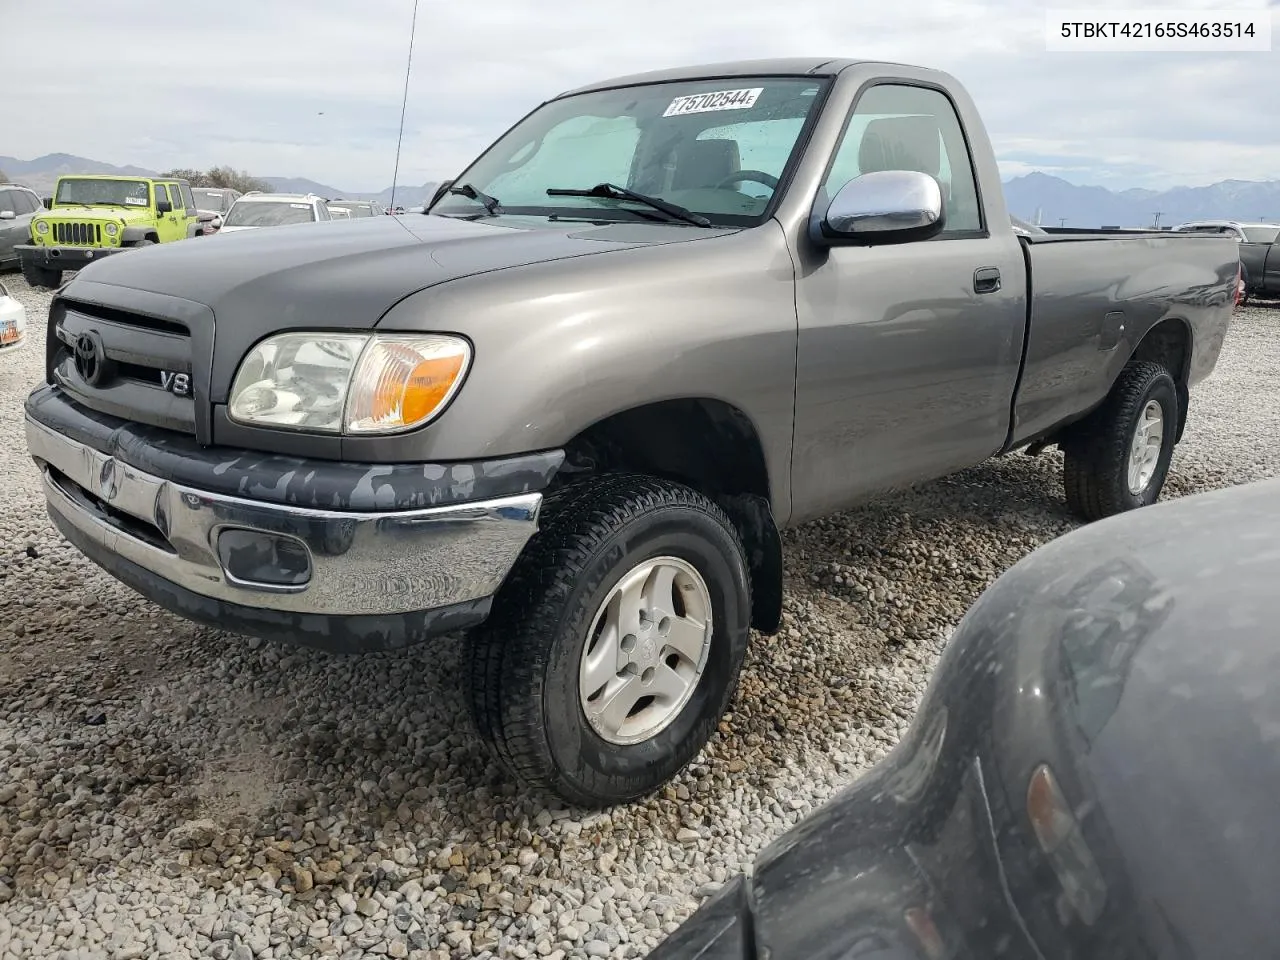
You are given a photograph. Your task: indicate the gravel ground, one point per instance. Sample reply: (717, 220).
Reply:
(172, 791)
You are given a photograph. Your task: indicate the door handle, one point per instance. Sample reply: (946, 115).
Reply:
(986, 280)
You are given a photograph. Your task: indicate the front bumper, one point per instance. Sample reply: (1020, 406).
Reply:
(374, 579)
(62, 258)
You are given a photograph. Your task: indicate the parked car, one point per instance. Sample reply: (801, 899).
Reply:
(93, 217)
(574, 414)
(13, 320)
(213, 204)
(1085, 777)
(17, 206)
(254, 210)
(358, 208)
(1260, 272)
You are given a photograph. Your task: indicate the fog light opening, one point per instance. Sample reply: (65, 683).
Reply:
(265, 561)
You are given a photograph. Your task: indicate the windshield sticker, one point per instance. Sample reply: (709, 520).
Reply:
(136, 201)
(709, 102)
(300, 206)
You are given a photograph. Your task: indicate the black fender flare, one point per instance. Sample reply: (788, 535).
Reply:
(132, 235)
(753, 517)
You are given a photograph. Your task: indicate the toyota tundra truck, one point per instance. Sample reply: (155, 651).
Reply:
(568, 410)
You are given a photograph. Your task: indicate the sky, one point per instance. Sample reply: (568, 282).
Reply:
(313, 89)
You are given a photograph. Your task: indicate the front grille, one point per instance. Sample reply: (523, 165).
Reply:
(124, 364)
(78, 234)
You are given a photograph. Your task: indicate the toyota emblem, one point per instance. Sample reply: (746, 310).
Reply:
(90, 358)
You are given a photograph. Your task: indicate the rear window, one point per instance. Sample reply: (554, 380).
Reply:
(1261, 234)
(356, 209)
(217, 200)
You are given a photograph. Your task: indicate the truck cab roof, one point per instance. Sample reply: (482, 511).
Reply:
(775, 67)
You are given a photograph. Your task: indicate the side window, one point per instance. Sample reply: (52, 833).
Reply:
(8, 201)
(188, 201)
(900, 127)
(579, 152)
(162, 195)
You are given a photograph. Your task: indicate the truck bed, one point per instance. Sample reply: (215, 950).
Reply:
(1093, 296)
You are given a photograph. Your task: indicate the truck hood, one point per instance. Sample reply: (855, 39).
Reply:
(340, 275)
(126, 214)
(348, 273)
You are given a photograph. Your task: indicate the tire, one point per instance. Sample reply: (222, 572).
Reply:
(38, 276)
(1097, 454)
(143, 243)
(528, 662)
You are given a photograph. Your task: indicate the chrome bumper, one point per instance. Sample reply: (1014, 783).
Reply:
(361, 564)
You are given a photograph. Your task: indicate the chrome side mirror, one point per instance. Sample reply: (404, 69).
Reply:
(886, 206)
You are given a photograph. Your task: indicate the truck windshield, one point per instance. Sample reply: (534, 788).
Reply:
(1261, 234)
(719, 148)
(120, 193)
(210, 199)
(268, 213)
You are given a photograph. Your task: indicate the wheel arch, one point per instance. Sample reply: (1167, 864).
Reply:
(1170, 343)
(711, 446)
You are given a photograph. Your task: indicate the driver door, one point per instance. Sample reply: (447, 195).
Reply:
(909, 353)
(168, 228)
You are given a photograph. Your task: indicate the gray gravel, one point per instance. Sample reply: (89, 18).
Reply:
(172, 791)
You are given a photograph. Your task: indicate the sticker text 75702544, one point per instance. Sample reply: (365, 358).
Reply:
(719, 100)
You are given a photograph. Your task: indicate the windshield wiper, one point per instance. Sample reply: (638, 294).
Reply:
(491, 204)
(611, 191)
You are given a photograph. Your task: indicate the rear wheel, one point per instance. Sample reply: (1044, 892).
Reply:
(615, 646)
(39, 276)
(1117, 459)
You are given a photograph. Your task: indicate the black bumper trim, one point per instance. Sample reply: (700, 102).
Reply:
(328, 632)
(66, 258)
(271, 478)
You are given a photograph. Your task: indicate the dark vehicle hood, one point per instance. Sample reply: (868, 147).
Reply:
(1139, 658)
(342, 274)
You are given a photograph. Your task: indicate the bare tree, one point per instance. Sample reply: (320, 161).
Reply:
(226, 177)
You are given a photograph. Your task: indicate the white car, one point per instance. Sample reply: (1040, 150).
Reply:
(254, 210)
(13, 320)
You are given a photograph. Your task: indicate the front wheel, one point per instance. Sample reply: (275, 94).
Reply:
(1117, 459)
(615, 646)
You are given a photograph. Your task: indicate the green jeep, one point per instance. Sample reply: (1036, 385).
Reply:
(90, 217)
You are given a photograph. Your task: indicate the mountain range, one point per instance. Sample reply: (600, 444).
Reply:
(1032, 197)
(41, 173)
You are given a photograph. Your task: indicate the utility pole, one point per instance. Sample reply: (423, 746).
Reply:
(1156, 224)
(1062, 221)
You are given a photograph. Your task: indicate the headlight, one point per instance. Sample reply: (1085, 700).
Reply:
(111, 229)
(348, 383)
(42, 227)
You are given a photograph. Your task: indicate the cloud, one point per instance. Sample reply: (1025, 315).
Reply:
(286, 91)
